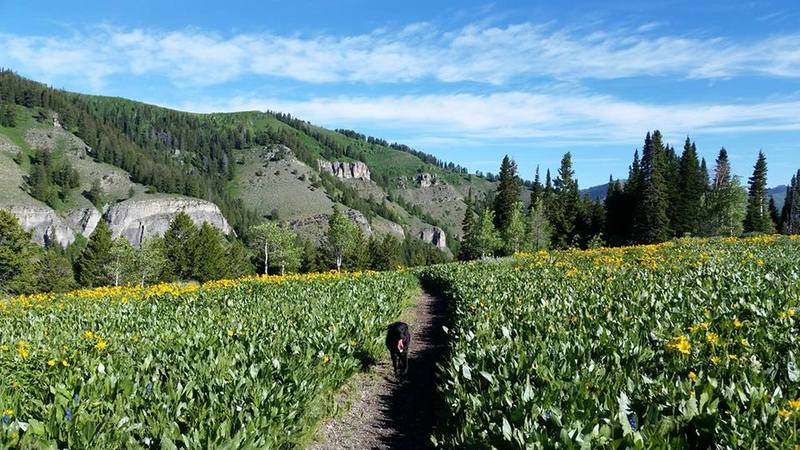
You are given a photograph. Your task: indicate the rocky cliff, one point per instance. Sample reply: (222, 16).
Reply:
(435, 236)
(139, 219)
(45, 225)
(347, 170)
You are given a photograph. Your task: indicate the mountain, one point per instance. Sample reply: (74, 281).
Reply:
(599, 192)
(69, 159)
(779, 194)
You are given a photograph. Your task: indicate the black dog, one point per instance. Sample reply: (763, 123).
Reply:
(398, 341)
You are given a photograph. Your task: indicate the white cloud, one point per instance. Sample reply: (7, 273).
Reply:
(478, 52)
(562, 119)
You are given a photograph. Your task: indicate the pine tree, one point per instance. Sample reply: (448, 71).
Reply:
(757, 219)
(565, 206)
(467, 251)
(651, 223)
(537, 190)
(617, 212)
(17, 257)
(8, 115)
(178, 247)
(691, 187)
(55, 271)
(790, 215)
(209, 262)
(774, 215)
(96, 260)
(238, 260)
(508, 191)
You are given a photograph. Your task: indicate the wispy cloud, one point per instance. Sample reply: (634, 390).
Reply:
(561, 119)
(479, 52)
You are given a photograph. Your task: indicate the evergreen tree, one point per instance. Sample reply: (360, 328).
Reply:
(17, 257)
(210, 261)
(514, 233)
(617, 211)
(565, 206)
(55, 272)
(774, 215)
(313, 259)
(466, 251)
(548, 189)
(8, 115)
(790, 216)
(537, 190)
(508, 191)
(385, 253)
(651, 223)
(704, 173)
(178, 245)
(96, 259)
(238, 260)
(757, 219)
(96, 195)
(538, 232)
(357, 258)
(691, 187)
(722, 173)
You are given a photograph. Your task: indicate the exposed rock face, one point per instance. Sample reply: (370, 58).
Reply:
(347, 170)
(425, 180)
(396, 229)
(435, 236)
(137, 220)
(6, 146)
(45, 225)
(49, 138)
(83, 220)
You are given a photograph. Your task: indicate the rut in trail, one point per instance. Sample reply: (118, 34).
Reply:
(390, 414)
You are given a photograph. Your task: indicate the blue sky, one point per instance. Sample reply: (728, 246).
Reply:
(466, 81)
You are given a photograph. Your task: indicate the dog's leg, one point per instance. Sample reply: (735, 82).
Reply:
(394, 363)
(405, 363)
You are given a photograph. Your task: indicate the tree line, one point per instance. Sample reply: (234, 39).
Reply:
(665, 196)
(187, 252)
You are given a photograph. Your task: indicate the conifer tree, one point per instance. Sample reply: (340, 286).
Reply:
(95, 260)
(17, 257)
(565, 206)
(774, 215)
(691, 187)
(617, 209)
(467, 251)
(725, 202)
(508, 191)
(210, 261)
(55, 271)
(757, 219)
(178, 245)
(790, 216)
(238, 260)
(651, 223)
(537, 190)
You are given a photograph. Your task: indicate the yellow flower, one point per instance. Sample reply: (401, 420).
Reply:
(795, 403)
(88, 334)
(51, 363)
(326, 359)
(712, 338)
(681, 344)
(8, 412)
(715, 359)
(3, 348)
(737, 323)
(784, 413)
(65, 363)
(100, 345)
(790, 312)
(732, 357)
(230, 333)
(692, 376)
(745, 343)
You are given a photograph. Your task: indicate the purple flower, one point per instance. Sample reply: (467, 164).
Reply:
(68, 414)
(149, 388)
(632, 420)
(6, 419)
(76, 398)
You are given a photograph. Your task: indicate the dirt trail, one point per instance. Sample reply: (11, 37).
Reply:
(390, 414)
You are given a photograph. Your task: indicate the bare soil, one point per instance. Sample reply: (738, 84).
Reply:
(387, 413)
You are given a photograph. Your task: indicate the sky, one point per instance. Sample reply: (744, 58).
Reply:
(466, 81)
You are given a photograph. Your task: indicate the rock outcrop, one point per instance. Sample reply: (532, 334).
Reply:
(44, 224)
(435, 236)
(83, 220)
(425, 180)
(321, 221)
(347, 170)
(139, 219)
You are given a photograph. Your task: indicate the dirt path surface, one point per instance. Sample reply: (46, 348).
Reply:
(390, 414)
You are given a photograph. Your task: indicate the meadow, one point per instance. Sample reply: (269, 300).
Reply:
(249, 363)
(684, 344)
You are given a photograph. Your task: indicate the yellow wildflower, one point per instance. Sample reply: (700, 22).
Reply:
(795, 403)
(88, 334)
(65, 363)
(733, 357)
(326, 359)
(230, 333)
(715, 359)
(681, 344)
(8, 412)
(51, 363)
(712, 338)
(790, 312)
(784, 413)
(737, 323)
(692, 376)
(100, 345)
(744, 343)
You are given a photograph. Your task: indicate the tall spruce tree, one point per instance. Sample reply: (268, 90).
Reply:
(774, 215)
(466, 250)
(565, 205)
(651, 223)
(790, 216)
(210, 261)
(537, 189)
(757, 219)
(617, 213)
(96, 259)
(508, 191)
(691, 187)
(725, 202)
(179, 250)
(17, 257)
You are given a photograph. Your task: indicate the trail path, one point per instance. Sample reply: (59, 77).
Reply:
(390, 414)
